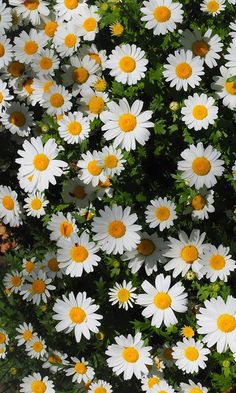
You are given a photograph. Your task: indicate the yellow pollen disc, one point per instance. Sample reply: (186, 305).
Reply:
(27, 335)
(96, 105)
(41, 162)
(117, 29)
(74, 128)
(29, 266)
(95, 57)
(189, 254)
(100, 85)
(16, 69)
(47, 85)
(90, 24)
(200, 48)
(213, 6)
(66, 228)
(93, 168)
(130, 354)
(79, 192)
(54, 359)
(2, 350)
(28, 85)
(200, 112)
(2, 50)
(80, 368)
(127, 64)
(38, 286)
(100, 389)
(198, 202)
(38, 387)
(71, 4)
(53, 265)
(201, 166)
(36, 204)
(56, 100)
(8, 202)
(50, 28)
(226, 323)
(123, 295)
(146, 247)
(105, 184)
(217, 262)
(79, 254)
(31, 5)
(16, 281)
(196, 390)
(116, 229)
(153, 381)
(37, 346)
(110, 161)
(127, 122)
(77, 315)
(2, 338)
(162, 300)
(1, 97)
(162, 213)
(162, 391)
(162, 14)
(183, 70)
(191, 353)
(230, 88)
(188, 332)
(45, 63)
(167, 353)
(70, 40)
(31, 47)
(17, 119)
(80, 75)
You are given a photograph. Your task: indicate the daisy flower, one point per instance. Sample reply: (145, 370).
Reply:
(27, 46)
(81, 371)
(217, 263)
(212, 7)
(67, 9)
(77, 254)
(36, 383)
(190, 355)
(199, 111)
(35, 204)
(150, 381)
(17, 119)
(207, 46)
(200, 166)
(185, 253)
(163, 387)
(78, 314)
(26, 333)
(161, 15)
(74, 128)
(38, 165)
(126, 125)
(183, 70)
(40, 86)
(49, 25)
(31, 10)
(5, 95)
(57, 100)
(187, 332)
(115, 229)
(24, 88)
(86, 22)
(148, 252)
(100, 386)
(4, 338)
(91, 171)
(230, 56)
(112, 160)
(116, 29)
(217, 321)
(232, 33)
(37, 287)
(6, 53)
(123, 294)
(161, 301)
(50, 265)
(28, 265)
(36, 347)
(127, 64)
(94, 53)
(10, 212)
(3, 351)
(75, 191)
(66, 40)
(93, 103)
(161, 213)
(225, 90)
(54, 361)
(192, 387)
(13, 72)
(61, 226)
(46, 62)
(129, 356)
(6, 18)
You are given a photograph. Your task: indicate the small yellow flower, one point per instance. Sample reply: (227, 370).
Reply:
(100, 84)
(174, 106)
(117, 29)
(190, 276)
(188, 332)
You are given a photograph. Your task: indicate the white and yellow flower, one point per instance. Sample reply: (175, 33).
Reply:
(217, 263)
(54, 361)
(79, 193)
(17, 119)
(61, 226)
(112, 161)
(13, 282)
(90, 169)
(26, 333)
(123, 294)
(35, 383)
(86, 22)
(10, 211)
(37, 287)
(93, 103)
(6, 18)
(35, 204)
(199, 111)
(67, 9)
(225, 90)
(4, 338)
(213, 7)
(192, 387)
(201, 204)
(3, 351)
(190, 355)
(31, 10)
(6, 53)
(66, 40)
(27, 46)
(45, 63)
(28, 265)
(40, 86)
(36, 347)
(100, 386)
(57, 100)
(74, 127)
(94, 53)
(5, 95)
(81, 371)
(161, 213)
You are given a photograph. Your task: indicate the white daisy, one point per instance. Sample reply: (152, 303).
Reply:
(150, 381)
(161, 15)
(126, 125)
(212, 7)
(17, 119)
(201, 204)
(35, 204)
(5, 95)
(31, 10)
(129, 356)
(127, 64)
(78, 314)
(183, 70)
(6, 18)
(217, 321)
(192, 387)
(91, 171)
(74, 128)
(49, 25)
(217, 263)
(6, 53)
(200, 166)
(61, 226)
(36, 347)
(161, 301)
(40, 86)
(225, 90)
(54, 361)
(75, 191)
(50, 265)
(81, 371)
(66, 9)
(115, 229)
(161, 213)
(123, 294)
(99, 56)
(36, 383)
(148, 252)
(14, 72)
(27, 46)
(10, 212)
(26, 333)
(57, 100)
(45, 63)
(66, 40)
(163, 387)
(24, 88)
(199, 111)
(112, 160)
(232, 33)
(93, 102)
(190, 355)
(3, 351)
(4, 338)
(37, 287)
(28, 265)
(100, 386)
(86, 22)
(230, 56)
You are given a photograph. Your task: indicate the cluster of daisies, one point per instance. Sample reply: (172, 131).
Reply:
(52, 72)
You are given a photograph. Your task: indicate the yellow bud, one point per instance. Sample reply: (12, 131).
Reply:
(104, 6)
(43, 308)
(13, 371)
(190, 276)
(174, 106)
(100, 336)
(11, 348)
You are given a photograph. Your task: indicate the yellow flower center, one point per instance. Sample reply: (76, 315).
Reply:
(71, 4)
(79, 192)
(41, 162)
(66, 228)
(16, 281)
(226, 323)
(28, 86)
(130, 354)
(96, 105)
(117, 29)
(162, 213)
(127, 64)
(230, 88)
(31, 47)
(37, 346)
(90, 24)
(70, 40)
(100, 85)
(127, 122)
(2, 50)
(53, 265)
(201, 166)
(100, 389)
(196, 390)
(93, 168)
(189, 254)
(1, 97)
(80, 368)
(79, 254)
(183, 70)
(47, 85)
(217, 262)
(213, 6)
(200, 48)
(116, 229)
(8, 202)
(80, 75)
(27, 335)
(162, 300)
(77, 315)
(38, 387)
(16, 69)
(17, 119)
(188, 332)
(31, 5)
(111, 161)
(38, 286)
(146, 247)
(50, 28)
(54, 359)
(191, 353)
(123, 295)
(153, 381)
(45, 63)
(29, 266)
(2, 338)
(198, 202)
(200, 112)
(95, 57)
(36, 204)
(162, 14)
(56, 100)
